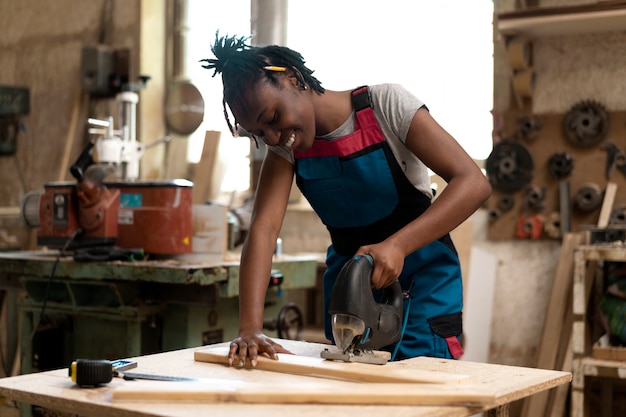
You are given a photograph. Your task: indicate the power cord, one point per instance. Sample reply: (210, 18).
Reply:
(407, 305)
(65, 247)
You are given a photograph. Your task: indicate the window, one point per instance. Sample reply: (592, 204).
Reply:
(204, 18)
(440, 50)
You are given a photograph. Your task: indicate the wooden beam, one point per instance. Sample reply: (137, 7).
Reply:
(304, 392)
(551, 21)
(205, 184)
(70, 139)
(305, 365)
(9, 211)
(557, 310)
(607, 205)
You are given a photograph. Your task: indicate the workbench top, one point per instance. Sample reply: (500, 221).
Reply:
(54, 389)
(176, 270)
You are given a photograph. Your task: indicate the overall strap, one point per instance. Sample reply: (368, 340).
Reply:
(362, 104)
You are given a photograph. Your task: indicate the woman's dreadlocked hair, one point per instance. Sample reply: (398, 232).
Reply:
(242, 67)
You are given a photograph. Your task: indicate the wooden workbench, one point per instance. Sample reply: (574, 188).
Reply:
(54, 389)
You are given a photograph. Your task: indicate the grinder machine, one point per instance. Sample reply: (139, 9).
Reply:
(155, 216)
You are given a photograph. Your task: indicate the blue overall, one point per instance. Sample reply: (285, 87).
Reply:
(361, 194)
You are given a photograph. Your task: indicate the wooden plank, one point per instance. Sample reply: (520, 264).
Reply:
(611, 353)
(71, 135)
(561, 20)
(9, 211)
(558, 396)
(304, 365)
(327, 392)
(607, 205)
(210, 229)
(204, 181)
(556, 311)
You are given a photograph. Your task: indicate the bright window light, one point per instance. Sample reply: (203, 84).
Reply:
(203, 20)
(440, 50)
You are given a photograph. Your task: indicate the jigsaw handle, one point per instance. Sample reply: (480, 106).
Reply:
(392, 295)
(368, 257)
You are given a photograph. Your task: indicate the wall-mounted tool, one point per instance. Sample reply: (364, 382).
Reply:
(552, 225)
(359, 323)
(560, 165)
(618, 216)
(105, 71)
(14, 103)
(529, 127)
(518, 52)
(184, 108)
(529, 227)
(588, 197)
(535, 195)
(493, 215)
(505, 203)
(586, 124)
(509, 166)
(615, 158)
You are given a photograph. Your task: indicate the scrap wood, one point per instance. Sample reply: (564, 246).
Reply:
(77, 112)
(607, 205)
(305, 365)
(304, 392)
(557, 403)
(206, 177)
(558, 311)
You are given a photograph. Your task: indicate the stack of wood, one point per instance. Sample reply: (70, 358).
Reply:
(555, 347)
(555, 351)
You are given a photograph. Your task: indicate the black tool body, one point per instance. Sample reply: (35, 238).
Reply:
(352, 296)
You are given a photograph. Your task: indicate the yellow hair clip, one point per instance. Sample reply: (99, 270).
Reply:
(275, 68)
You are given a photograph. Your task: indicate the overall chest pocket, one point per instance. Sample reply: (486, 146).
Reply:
(349, 192)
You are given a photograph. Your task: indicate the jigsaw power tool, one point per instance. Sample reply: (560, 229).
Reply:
(360, 324)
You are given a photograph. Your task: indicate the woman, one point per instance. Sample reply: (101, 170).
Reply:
(361, 158)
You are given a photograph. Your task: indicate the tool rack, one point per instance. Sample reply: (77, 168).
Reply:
(583, 364)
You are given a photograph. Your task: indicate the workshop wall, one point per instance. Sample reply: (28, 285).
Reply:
(568, 69)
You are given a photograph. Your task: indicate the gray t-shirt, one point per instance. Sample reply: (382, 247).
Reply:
(394, 108)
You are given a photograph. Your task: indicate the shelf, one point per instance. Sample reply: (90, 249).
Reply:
(582, 363)
(603, 368)
(556, 21)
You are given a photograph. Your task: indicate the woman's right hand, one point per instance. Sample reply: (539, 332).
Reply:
(250, 345)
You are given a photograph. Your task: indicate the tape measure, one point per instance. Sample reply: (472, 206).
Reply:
(94, 372)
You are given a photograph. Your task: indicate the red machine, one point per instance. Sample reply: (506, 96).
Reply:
(155, 216)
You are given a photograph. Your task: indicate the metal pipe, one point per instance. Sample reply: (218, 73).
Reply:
(268, 24)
